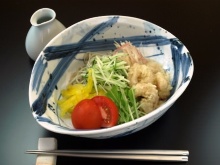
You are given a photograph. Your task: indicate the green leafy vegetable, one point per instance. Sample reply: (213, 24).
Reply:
(126, 102)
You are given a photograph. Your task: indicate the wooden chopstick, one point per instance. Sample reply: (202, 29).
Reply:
(147, 155)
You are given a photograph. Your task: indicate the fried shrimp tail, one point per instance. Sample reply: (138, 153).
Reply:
(134, 55)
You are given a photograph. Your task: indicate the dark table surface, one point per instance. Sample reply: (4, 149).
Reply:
(193, 122)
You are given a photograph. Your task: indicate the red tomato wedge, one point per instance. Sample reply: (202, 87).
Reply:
(86, 115)
(109, 111)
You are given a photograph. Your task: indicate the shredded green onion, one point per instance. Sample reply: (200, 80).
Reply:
(110, 74)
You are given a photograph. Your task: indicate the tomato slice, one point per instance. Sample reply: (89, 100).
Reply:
(86, 115)
(109, 110)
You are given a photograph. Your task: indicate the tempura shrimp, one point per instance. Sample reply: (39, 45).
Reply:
(147, 77)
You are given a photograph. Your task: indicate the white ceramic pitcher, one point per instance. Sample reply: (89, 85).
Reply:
(44, 27)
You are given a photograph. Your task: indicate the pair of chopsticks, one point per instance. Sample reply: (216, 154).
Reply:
(144, 155)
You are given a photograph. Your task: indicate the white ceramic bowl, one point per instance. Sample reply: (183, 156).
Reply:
(63, 55)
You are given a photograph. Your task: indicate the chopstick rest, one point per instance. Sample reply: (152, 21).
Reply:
(46, 144)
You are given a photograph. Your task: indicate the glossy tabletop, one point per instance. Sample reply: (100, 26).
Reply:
(193, 122)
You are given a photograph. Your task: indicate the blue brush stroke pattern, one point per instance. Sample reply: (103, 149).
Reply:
(182, 62)
(66, 53)
(56, 52)
(38, 70)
